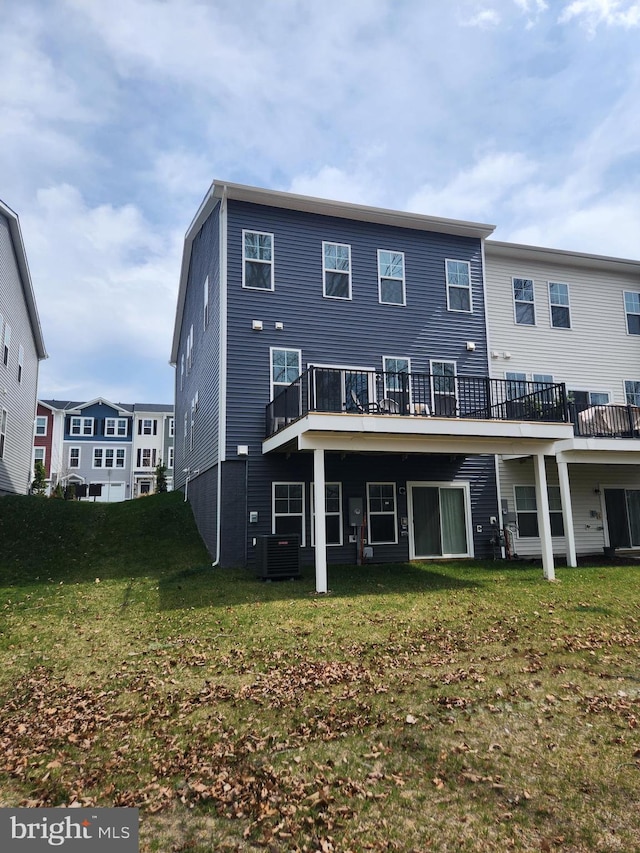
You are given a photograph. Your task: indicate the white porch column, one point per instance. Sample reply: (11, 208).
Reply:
(567, 513)
(544, 524)
(320, 524)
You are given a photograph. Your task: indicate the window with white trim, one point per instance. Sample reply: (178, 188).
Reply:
(7, 342)
(632, 310)
(396, 382)
(458, 274)
(559, 305)
(41, 425)
(205, 312)
(257, 260)
(288, 509)
(527, 511)
(170, 458)
(20, 362)
(115, 426)
(39, 454)
(285, 368)
(3, 431)
(185, 430)
(190, 350)
(444, 388)
(524, 301)
(148, 426)
(146, 457)
(333, 514)
(182, 372)
(391, 282)
(171, 427)
(108, 457)
(632, 391)
(381, 513)
(336, 270)
(74, 457)
(81, 426)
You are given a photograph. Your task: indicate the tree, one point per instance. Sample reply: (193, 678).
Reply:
(161, 477)
(39, 484)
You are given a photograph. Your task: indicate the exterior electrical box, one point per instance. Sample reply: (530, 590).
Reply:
(355, 512)
(278, 557)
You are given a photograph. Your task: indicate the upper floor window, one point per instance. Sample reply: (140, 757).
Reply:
(583, 399)
(182, 372)
(3, 431)
(336, 269)
(257, 260)
(391, 287)
(559, 305)
(632, 391)
(171, 427)
(147, 426)
(444, 388)
(20, 362)
(396, 383)
(524, 301)
(146, 457)
(632, 309)
(108, 457)
(41, 425)
(115, 426)
(81, 426)
(458, 285)
(170, 459)
(190, 349)
(74, 457)
(6, 344)
(206, 303)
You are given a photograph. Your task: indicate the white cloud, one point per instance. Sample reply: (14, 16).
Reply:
(592, 13)
(484, 19)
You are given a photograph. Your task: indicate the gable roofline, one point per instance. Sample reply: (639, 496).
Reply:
(564, 257)
(25, 276)
(121, 408)
(309, 204)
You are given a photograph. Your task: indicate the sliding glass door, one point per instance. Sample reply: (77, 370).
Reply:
(440, 520)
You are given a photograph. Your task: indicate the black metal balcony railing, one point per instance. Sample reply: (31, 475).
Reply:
(340, 390)
(606, 421)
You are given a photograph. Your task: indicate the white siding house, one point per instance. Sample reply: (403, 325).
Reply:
(21, 349)
(557, 316)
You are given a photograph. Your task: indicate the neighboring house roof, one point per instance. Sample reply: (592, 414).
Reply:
(522, 252)
(139, 408)
(309, 204)
(25, 275)
(125, 408)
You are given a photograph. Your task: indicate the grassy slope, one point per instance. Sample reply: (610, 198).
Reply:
(469, 707)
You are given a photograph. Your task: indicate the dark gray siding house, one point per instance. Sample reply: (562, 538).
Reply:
(332, 382)
(21, 349)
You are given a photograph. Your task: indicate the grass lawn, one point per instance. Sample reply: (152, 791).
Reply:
(418, 707)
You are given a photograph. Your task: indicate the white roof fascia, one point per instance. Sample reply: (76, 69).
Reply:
(519, 251)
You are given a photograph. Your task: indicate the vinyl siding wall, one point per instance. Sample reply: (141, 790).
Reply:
(19, 398)
(358, 332)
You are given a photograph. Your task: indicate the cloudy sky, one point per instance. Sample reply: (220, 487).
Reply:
(116, 116)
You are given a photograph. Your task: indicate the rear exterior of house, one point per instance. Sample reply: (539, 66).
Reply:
(557, 316)
(333, 357)
(21, 349)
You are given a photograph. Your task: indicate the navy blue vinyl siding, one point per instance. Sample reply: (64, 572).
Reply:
(359, 333)
(99, 412)
(203, 379)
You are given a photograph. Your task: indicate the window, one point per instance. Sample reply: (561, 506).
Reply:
(182, 372)
(147, 426)
(516, 384)
(443, 388)
(288, 509)
(257, 260)
(391, 289)
(524, 301)
(170, 459)
(527, 508)
(559, 305)
(146, 457)
(185, 431)
(632, 392)
(81, 426)
(41, 425)
(333, 513)
(7, 342)
(3, 431)
(206, 303)
(285, 368)
(74, 457)
(632, 309)
(458, 285)
(381, 513)
(115, 426)
(396, 382)
(171, 427)
(39, 454)
(336, 268)
(190, 349)
(108, 457)
(20, 362)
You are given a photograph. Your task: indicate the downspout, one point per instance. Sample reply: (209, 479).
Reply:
(222, 380)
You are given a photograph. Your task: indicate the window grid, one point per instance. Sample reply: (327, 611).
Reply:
(41, 425)
(559, 305)
(74, 457)
(632, 310)
(257, 260)
(333, 514)
(458, 275)
(391, 280)
(524, 301)
(336, 270)
(632, 391)
(288, 509)
(527, 511)
(381, 513)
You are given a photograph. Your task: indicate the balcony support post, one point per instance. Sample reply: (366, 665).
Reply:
(320, 529)
(567, 513)
(544, 524)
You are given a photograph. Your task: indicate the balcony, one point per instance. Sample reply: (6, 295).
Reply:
(415, 395)
(606, 421)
